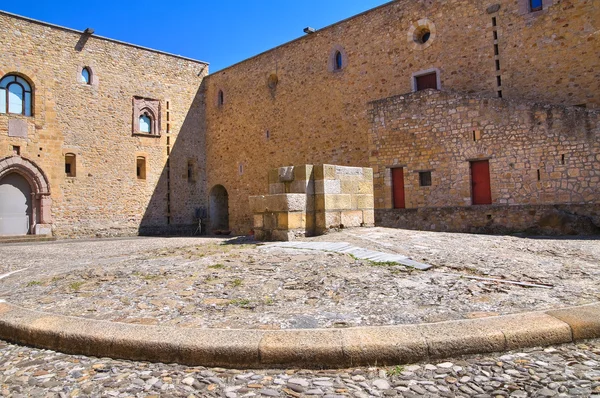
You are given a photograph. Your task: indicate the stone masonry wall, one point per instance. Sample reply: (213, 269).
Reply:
(94, 122)
(290, 106)
(538, 154)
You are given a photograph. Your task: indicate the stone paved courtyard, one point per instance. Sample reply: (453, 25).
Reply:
(236, 283)
(563, 371)
(206, 282)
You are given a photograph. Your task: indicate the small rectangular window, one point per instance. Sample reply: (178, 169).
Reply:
(424, 82)
(70, 165)
(535, 5)
(16, 150)
(141, 168)
(425, 178)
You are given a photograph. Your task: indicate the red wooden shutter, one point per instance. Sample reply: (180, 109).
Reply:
(480, 183)
(398, 187)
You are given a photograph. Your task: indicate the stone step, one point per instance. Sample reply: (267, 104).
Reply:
(9, 239)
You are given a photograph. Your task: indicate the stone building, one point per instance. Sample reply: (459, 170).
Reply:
(422, 92)
(87, 125)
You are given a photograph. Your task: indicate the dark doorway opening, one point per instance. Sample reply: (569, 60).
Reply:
(219, 209)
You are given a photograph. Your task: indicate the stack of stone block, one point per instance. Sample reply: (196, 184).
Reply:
(310, 200)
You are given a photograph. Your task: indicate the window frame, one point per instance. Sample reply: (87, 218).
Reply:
(26, 109)
(536, 8)
(425, 178)
(425, 73)
(87, 82)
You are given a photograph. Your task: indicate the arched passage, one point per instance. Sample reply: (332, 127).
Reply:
(219, 208)
(25, 203)
(15, 205)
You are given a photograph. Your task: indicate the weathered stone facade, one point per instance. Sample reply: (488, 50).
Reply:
(207, 142)
(291, 106)
(538, 154)
(92, 123)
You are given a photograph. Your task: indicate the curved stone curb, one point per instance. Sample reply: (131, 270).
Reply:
(331, 348)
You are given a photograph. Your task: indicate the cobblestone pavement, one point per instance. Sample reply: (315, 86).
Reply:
(561, 371)
(235, 283)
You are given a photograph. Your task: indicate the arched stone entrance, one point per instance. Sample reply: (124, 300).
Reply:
(25, 203)
(219, 209)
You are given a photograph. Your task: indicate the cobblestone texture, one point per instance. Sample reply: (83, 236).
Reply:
(562, 371)
(235, 283)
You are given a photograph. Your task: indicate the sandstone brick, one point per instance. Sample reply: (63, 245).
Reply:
(352, 218)
(338, 202)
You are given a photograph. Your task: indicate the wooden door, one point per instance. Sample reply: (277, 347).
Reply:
(398, 187)
(480, 183)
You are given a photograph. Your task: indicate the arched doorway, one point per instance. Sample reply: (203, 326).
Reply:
(25, 203)
(15, 205)
(219, 209)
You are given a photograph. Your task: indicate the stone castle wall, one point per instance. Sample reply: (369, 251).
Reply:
(290, 106)
(94, 122)
(538, 155)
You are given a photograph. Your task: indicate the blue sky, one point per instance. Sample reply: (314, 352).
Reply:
(219, 32)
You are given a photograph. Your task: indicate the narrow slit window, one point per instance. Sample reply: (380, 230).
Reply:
(497, 64)
(141, 168)
(338, 60)
(494, 22)
(86, 76)
(70, 165)
(221, 98)
(499, 80)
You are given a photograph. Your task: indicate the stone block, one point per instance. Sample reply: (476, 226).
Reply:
(328, 187)
(365, 187)
(348, 187)
(319, 201)
(367, 174)
(352, 218)
(324, 172)
(282, 236)
(276, 188)
(296, 220)
(333, 219)
(338, 202)
(304, 172)
(258, 204)
(302, 348)
(302, 186)
(286, 174)
(17, 128)
(349, 173)
(282, 220)
(384, 346)
(369, 217)
(533, 329)
(258, 221)
(286, 202)
(270, 221)
(274, 176)
(584, 321)
(361, 202)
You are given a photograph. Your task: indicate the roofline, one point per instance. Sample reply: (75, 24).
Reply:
(100, 37)
(304, 37)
